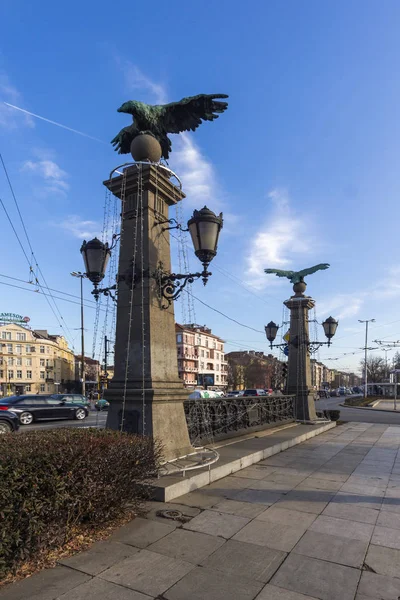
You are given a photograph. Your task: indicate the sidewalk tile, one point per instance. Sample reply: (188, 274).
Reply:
(187, 545)
(255, 472)
(142, 532)
(271, 534)
(199, 499)
(386, 536)
(266, 497)
(379, 586)
(46, 585)
(384, 561)
(241, 509)
(147, 572)
(245, 560)
(101, 556)
(332, 548)
(287, 517)
(312, 483)
(389, 519)
(100, 589)
(271, 592)
(343, 528)
(216, 523)
(318, 578)
(207, 584)
(351, 513)
(358, 500)
(306, 500)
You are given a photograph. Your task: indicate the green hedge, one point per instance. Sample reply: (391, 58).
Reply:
(51, 481)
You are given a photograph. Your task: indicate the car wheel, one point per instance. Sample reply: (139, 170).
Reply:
(5, 427)
(26, 418)
(80, 414)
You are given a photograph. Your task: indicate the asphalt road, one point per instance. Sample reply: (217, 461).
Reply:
(95, 419)
(358, 414)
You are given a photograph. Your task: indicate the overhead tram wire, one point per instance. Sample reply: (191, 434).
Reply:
(33, 256)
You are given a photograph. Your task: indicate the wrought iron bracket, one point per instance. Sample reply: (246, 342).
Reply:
(312, 347)
(106, 291)
(170, 285)
(171, 221)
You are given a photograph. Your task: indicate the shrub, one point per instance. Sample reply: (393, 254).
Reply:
(51, 481)
(333, 415)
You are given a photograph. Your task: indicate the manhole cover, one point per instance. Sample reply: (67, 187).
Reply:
(174, 515)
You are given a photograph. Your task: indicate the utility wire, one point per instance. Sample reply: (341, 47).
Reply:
(44, 294)
(33, 254)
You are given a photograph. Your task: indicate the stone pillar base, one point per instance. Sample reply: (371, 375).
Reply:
(305, 406)
(164, 417)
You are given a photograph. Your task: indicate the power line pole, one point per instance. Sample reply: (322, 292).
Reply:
(366, 353)
(81, 276)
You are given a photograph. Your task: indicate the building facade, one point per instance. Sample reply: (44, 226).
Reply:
(201, 357)
(33, 361)
(251, 369)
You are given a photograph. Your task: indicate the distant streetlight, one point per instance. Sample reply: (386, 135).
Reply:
(366, 353)
(82, 276)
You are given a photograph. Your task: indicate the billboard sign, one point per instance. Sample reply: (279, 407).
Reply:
(7, 318)
(205, 379)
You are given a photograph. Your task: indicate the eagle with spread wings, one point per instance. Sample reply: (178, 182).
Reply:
(298, 276)
(161, 119)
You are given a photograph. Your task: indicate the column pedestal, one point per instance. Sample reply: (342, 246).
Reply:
(146, 395)
(299, 367)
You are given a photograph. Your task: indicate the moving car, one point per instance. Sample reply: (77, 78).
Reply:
(35, 408)
(233, 394)
(254, 392)
(102, 404)
(72, 399)
(9, 422)
(323, 394)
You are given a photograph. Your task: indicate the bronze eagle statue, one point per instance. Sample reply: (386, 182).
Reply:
(298, 276)
(161, 119)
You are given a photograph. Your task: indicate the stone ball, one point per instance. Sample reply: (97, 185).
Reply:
(300, 287)
(146, 147)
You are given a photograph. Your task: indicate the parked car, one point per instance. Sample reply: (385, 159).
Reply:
(75, 399)
(323, 394)
(269, 392)
(102, 404)
(9, 422)
(35, 408)
(255, 392)
(335, 392)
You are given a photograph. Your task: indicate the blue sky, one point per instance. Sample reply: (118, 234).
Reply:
(304, 164)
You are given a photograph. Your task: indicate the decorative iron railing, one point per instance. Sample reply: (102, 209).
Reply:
(211, 419)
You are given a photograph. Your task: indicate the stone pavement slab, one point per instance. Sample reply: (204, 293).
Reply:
(312, 483)
(100, 557)
(287, 517)
(142, 532)
(152, 508)
(389, 519)
(206, 584)
(384, 561)
(343, 528)
(313, 501)
(351, 513)
(359, 500)
(321, 579)
(378, 586)
(148, 572)
(271, 534)
(241, 509)
(271, 592)
(332, 548)
(266, 497)
(245, 560)
(99, 589)
(386, 536)
(199, 499)
(216, 523)
(47, 585)
(255, 472)
(191, 546)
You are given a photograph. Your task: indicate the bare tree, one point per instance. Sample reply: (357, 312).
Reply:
(376, 369)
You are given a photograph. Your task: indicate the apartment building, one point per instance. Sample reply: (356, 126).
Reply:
(201, 357)
(33, 361)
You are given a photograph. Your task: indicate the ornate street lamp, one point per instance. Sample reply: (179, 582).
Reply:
(95, 256)
(271, 330)
(330, 325)
(205, 227)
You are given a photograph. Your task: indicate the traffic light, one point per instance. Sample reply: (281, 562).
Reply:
(284, 370)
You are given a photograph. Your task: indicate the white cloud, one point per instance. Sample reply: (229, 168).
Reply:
(283, 237)
(135, 79)
(54, 176)
(9, 118)
(342, 306)
(79, 228)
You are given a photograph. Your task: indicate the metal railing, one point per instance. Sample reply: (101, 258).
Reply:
(218, 418)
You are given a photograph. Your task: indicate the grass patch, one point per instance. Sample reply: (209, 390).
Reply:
(363, 401)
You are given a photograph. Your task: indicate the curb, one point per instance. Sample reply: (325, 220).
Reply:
(385, 410)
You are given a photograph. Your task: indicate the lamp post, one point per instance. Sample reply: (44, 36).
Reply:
(146, 394)
(299, 380)
(82, 276)
(367, 321)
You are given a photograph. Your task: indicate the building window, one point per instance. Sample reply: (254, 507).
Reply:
(29, 374)
(217, 377)
(48, 388)
(28, 362)
(201, 365)
(199, 340)
(28, 387)
(42, 387)
(214, 344)
(18, 362)
(202, 353)
(28, 349)
(18, 349)
(179, 337)
(42, 363)
(48, 363)
(19, 374)
(217, 355)
(41, 349)
(206, 343)
(42, 374)
(6, 335)
(9, 348)
(21, 337)
(10, 374)
(10, 361)
(1, 373)
(217, 367)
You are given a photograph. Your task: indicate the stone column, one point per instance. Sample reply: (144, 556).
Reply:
(145, 332)
(299, 366)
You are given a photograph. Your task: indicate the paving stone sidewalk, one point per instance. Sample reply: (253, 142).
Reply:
(318, 521)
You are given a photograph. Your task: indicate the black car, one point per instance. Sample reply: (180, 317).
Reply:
(35, 407)
(8, 422)
(72, 399)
